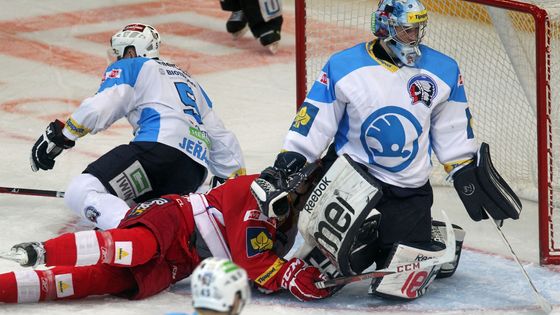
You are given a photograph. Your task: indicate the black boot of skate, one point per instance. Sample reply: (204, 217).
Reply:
(236, 25)
(270, 40)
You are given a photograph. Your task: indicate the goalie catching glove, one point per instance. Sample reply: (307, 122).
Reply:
(49, 146)
(483, 191)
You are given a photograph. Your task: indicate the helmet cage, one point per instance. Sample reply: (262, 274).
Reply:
(401, 24)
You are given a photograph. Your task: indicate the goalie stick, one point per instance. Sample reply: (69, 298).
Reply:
(541, 301)
(32, 192)
(447, 257)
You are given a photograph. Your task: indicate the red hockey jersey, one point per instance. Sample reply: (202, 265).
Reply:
(226, 218)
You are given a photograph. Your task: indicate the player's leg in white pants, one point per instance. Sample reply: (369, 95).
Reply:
(87, 196)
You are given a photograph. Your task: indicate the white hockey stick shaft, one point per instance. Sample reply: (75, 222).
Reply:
(541, 301)
(447, 257)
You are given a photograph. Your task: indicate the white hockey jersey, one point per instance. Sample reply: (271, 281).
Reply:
(163, 104)
(385, 117)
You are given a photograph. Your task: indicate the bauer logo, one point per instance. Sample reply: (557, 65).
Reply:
(258, 241)
(422, 89)
(304, 119)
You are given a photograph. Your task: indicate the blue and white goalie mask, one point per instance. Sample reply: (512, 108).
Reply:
(401, 25)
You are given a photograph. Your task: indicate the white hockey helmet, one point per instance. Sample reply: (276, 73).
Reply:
(401, 24)
(216, 282)
(144, 38)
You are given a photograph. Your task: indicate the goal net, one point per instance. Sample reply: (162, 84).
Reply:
(509, 55)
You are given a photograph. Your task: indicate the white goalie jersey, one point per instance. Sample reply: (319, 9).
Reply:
(388, 118)
(163, 104)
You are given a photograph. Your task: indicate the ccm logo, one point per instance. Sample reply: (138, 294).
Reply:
(408, 267)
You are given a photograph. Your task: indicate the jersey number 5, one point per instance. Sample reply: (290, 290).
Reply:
(187, 98)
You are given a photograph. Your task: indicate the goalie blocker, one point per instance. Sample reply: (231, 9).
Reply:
(483, 191)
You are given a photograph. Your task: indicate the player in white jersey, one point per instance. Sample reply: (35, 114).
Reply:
(389, 104)
(262, 17)
(177, 135)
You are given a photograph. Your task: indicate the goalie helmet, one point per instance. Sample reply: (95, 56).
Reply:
(144, 38)
(401, 25)
(216, 283)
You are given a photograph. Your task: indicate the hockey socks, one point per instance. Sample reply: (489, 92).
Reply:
(118, 247)
(30, 286)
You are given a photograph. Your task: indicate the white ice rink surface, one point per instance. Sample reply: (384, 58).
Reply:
(50, 60)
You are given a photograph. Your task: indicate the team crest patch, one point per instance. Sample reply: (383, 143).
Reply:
(324, 78)
(304, 119)
(258, 241)
(422, 89)
(92, 214)
(113, 74)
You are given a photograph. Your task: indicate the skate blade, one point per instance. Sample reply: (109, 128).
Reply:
(13, 256)
(273, 48)
(238, 35)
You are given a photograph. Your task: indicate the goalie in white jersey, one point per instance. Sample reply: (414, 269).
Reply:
(388, 105)
(177, 135)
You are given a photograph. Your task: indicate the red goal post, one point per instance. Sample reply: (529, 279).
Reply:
(509, 53)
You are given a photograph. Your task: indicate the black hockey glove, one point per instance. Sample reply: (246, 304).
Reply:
(216, 181)
(275, 182)
(49, 146)
(483, 191)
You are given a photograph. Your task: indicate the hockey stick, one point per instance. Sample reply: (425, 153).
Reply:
(32, 192)
(541, 301)
(447, 257)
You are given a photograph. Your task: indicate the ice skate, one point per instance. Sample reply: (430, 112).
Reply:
(236, 25)
(271, 40)
(26, 254)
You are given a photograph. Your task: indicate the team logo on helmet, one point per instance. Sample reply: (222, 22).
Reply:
(390, 138)
(422, 89)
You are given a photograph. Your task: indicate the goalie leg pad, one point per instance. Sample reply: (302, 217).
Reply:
(483, 191)
(439, 234)
(408, 285)
(336, 210)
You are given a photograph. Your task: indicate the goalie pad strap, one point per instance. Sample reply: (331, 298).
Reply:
(337, 208)
(484, 192)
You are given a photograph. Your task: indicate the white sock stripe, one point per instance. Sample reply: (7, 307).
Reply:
(87, 248)
(28, 286)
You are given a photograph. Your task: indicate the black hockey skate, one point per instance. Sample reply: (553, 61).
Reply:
(236, 25)
(29, 254)
(270, 40)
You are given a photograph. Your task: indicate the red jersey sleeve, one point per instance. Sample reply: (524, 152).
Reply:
(250, 234)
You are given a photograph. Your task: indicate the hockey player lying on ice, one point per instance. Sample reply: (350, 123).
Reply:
(161, 241)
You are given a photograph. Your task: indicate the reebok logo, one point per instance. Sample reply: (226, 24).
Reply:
(317, 192)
